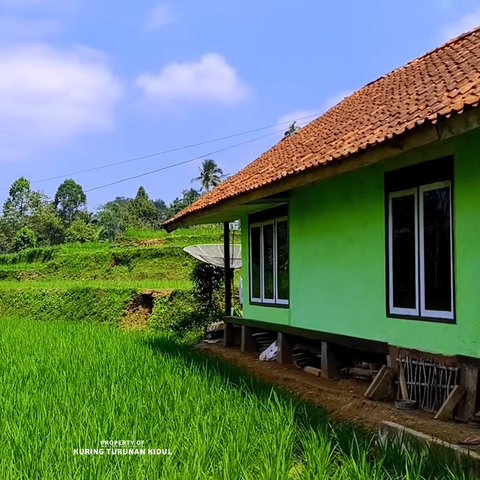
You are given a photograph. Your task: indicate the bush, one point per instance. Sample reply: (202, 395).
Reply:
(189, 313)
(81, 232)
(178, 313)
(74, 304)
(207, 289)
(24, 238)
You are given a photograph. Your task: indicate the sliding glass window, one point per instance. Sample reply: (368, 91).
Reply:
(420, 253)
(269, 262)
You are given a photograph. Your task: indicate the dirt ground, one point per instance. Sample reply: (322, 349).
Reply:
(138, 312)
(342, 398)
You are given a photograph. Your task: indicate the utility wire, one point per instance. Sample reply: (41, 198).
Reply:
(164, 152)
(190, 160)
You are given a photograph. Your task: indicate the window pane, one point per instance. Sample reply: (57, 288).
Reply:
(282, 260)
(437, 249)
(268, 261)
(403, 252)
(255, 261)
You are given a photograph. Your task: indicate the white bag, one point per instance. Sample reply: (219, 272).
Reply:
(270, 353)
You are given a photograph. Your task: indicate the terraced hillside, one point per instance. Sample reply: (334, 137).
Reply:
(98, 280)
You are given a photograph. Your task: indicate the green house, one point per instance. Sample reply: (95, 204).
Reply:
(363, 228)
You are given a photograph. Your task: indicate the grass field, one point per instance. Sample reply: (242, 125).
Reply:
(54, 284)
(68, 386)
(70, 379)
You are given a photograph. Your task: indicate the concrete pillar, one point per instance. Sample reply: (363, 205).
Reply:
(330, 365)
(284, 349)
(247, 343)
(467, 406)
(228, 334)
(228, 270)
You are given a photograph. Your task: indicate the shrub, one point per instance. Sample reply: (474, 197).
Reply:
(189, 313)
(207, 289)
(80, 232)
(24, 238)
(178, 313)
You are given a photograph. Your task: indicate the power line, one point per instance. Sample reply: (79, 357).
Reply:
(165, 152)
(190, 160)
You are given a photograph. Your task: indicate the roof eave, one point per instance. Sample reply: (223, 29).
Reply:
(422, 135)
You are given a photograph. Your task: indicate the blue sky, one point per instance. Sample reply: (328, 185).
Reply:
(85, 83)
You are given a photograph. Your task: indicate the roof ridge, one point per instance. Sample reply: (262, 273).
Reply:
(398, 69)
(448, 43)
(417, 93)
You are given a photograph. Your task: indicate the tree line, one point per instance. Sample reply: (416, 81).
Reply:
(30, 218)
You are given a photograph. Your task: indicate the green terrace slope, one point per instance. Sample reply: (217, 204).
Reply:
(99, 281)
(157, 262)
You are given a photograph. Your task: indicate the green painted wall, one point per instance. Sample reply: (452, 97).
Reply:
(337, 257)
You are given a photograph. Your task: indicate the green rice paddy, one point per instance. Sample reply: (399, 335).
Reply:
(66, 387)
(72, 384)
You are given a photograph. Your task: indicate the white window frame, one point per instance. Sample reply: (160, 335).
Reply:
(423, 311)
(398, 310)
(262, 265)
(280, 301)
(252, 298)
(262, 300)
(419, 311)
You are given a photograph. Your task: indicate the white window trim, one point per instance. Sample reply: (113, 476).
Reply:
(392, 309)
(280, 301)
(420, 311)
(263, 300)
(262, 265)
(252, 298)
(447, 314)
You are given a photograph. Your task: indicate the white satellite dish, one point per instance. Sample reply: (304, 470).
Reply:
(213, 255)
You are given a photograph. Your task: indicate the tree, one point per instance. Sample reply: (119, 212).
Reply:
(114, 218)
(24, 238)
(70, 200)
(19, 203)
(80, 232)
(6, 236)
(144, 210)
(19, 196)
(47, 224)
(162, 209)
(188, 197)
(210, 176)
(20, 210)
(207, 284)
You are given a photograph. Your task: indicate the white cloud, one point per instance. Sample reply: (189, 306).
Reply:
(464, 24)
(210, 80)
(160, 16)
(49, 96)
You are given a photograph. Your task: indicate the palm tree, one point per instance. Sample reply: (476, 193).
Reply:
(210, 175)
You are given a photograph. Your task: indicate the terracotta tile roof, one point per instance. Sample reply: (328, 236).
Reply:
(436, 85)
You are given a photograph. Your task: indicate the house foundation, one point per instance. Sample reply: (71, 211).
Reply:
(432, 381)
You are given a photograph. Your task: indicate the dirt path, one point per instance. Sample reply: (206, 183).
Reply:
(343, 398)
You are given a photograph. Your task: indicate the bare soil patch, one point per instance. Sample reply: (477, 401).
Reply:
(343, 398)
(139, 310)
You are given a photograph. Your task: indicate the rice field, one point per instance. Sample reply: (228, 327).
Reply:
(66, 387)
